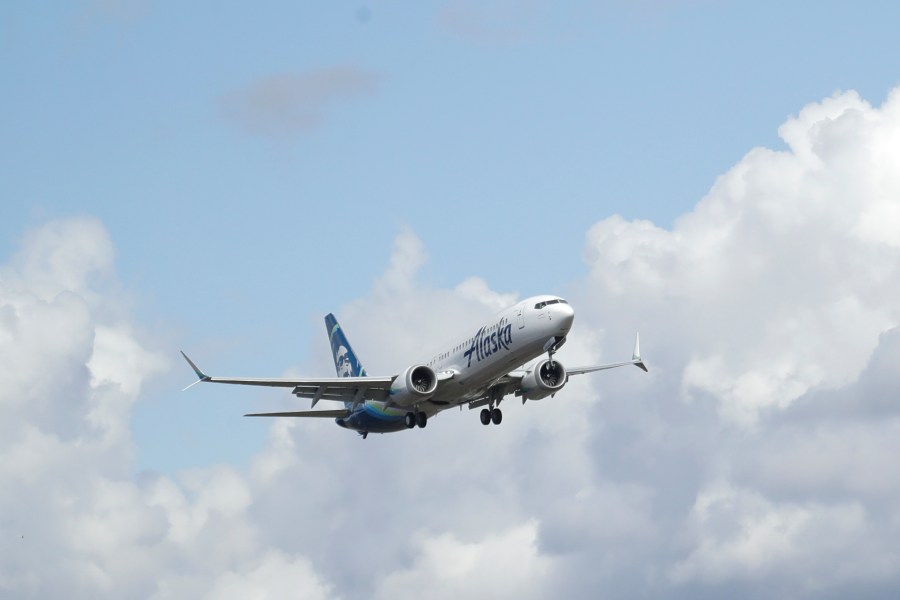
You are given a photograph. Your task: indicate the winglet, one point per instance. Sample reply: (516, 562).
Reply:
(636, 355)
(201, 376)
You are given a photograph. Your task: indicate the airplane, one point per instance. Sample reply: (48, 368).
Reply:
(479, 371)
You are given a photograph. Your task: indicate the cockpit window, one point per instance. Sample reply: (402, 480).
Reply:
(541, 305)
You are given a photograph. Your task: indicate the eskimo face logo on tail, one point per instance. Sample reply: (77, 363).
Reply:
(485, 344)
(344, 368)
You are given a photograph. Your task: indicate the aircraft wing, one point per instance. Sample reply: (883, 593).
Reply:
(511, 382)
(636, 360)
(325, 414)
(343, 389)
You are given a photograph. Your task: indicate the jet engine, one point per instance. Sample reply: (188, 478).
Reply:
(545, 379)
(413, 385)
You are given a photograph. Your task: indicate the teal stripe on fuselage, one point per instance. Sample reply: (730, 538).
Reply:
(370, 420)
(379, 414)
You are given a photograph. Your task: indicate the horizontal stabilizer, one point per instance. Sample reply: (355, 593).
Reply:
(322, 414)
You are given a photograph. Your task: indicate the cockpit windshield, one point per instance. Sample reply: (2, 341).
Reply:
(541, 305)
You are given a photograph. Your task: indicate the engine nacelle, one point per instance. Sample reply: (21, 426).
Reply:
(413, 385)
(545, 379)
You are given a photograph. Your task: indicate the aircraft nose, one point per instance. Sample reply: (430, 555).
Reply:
(565, 314)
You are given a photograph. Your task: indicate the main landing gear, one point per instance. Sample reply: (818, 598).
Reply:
(418, 418)
(491, 415)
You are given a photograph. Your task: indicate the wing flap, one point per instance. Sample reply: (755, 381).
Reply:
(330, 391)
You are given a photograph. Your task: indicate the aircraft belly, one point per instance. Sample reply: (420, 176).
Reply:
(366, 422)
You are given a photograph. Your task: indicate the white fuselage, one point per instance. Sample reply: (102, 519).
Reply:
(507, 341)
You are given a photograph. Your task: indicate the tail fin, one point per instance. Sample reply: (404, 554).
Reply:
(345, 362)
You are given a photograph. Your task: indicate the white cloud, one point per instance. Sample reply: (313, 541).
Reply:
(743, 536)
(782, 277)
(72, 255)
(766, 308)
(276, 576)
(770, 301)
(476, 289)
(74, 521)
(507, 565)
(395, 321)
(407, 258)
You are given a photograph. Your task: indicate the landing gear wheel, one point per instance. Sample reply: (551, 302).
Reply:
(496, 416)
(485, 416)
(410, 420)
(421, 420)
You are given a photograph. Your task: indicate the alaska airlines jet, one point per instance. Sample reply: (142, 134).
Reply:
(478, 371)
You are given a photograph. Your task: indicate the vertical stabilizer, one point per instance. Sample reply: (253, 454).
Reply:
(346, 364)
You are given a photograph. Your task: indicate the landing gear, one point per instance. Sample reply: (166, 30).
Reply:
(552, 345)
(491, 415)
(412, 419)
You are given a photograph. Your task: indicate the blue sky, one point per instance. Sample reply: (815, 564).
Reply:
(115, 109)
(255, 167)
(496, 143)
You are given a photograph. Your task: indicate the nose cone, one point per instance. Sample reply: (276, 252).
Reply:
(564, 315)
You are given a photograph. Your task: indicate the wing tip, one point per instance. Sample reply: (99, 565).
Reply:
(200, 374)
(636, 359)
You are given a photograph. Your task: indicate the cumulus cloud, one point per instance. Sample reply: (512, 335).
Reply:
(402, 331)
(287, 106)
(783, 273)
(741, 535)
(771, 306)
(74, 521)
(449, 568)
(753, 460)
